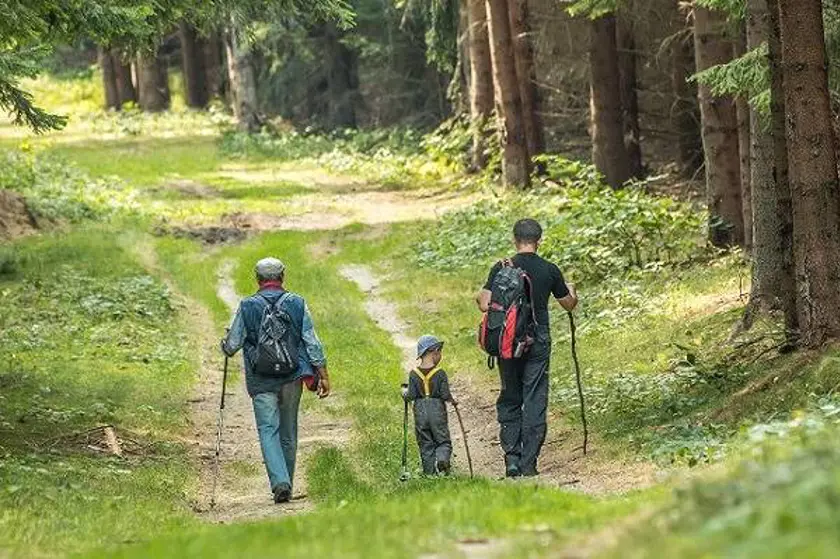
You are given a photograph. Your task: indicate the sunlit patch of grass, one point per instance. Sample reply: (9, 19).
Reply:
(144, 161)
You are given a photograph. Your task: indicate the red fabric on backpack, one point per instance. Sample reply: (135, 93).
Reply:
(506, 349)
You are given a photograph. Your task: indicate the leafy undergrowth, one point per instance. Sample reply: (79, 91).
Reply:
(779, 499)
(88, 339)
(57, 191)
(392, 158)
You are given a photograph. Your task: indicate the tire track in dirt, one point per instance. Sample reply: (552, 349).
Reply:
(562, 464)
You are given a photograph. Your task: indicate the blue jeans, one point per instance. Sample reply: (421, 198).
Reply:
(276, 414)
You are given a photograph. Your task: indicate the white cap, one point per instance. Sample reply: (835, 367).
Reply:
(269, 269)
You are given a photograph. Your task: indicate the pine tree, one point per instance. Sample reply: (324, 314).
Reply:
(812, 162)
(720, 133)
(192, 62)
(609, 153)
(481, 80)
(515, 161)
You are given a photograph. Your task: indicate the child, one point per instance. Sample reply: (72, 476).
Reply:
(428, 388)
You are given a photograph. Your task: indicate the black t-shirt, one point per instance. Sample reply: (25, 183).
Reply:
(546, 280)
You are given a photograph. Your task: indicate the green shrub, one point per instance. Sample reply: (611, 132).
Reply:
(58, 191)
(599, 232)
(780, 500)
(391, 157)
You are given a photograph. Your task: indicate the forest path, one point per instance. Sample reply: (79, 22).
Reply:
(562, 463)
(323, 202)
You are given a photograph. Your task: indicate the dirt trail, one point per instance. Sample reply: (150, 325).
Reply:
(561, 464)
(242, 491)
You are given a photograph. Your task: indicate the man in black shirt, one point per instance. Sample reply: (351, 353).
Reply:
(523, 400)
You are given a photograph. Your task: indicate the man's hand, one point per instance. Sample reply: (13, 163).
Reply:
(483, 299)
(323, 384)
(570, 301)
(404, 390)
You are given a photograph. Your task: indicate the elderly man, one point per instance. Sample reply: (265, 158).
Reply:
(281, 352)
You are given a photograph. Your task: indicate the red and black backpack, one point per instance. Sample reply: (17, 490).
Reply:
(507, 328)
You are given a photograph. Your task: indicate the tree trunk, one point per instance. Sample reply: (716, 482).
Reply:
(214, 65)
(685, 112)
(813, 171)
(192, 60)
(523, 54)
(720, 135)
(629, 95)
(125, 86)
(342, 79)
(773, 286)
(607, 127)
(243, 80)
(152, 83)
(786, 283)
(481, 80)
(109, 78)
(742, 108)
(515, 160)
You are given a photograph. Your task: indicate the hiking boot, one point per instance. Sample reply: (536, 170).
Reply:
(512, 471)
(282, 493)
(529, 472)
(443, 467)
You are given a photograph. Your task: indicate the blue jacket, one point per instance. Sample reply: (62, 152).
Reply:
(244, 331)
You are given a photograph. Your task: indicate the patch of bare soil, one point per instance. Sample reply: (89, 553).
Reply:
(562, 462)
(190, 189)
(16, 220)
(208, 235)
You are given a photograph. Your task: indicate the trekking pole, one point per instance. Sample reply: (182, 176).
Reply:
(464, 434)
(579, 382)
(404, 473)
(220, 426)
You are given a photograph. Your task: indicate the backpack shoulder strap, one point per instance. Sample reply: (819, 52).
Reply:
(276, 303)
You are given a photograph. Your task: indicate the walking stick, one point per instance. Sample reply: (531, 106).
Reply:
(579, 382)
(404, 475)
(464, 434)
(220, 426)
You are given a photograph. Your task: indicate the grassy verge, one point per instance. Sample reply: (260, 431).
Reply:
(88, 338)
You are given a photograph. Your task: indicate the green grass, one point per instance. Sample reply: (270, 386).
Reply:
(144, 161)
(85, 344)
(426, 517)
